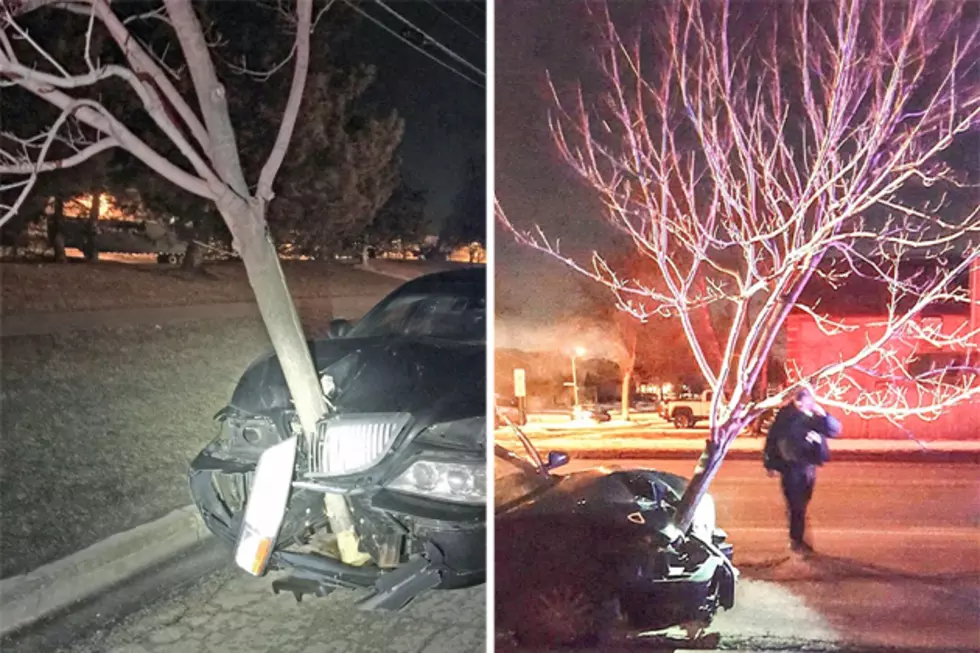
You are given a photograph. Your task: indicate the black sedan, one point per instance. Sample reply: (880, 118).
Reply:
(582, 555)
(405, 445)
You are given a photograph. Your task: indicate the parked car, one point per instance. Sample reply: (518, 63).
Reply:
(647, 405)
(685, 413)
(581, 555)
(405, 445)
(594, 413)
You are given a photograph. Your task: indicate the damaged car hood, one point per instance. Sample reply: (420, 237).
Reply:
(604, 493)
(434, 379)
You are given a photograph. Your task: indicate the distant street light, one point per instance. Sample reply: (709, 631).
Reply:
(578, 351)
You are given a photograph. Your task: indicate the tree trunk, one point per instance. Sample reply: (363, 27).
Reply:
(704, 473)
(365, 256)
(56, 231)
(92, 245)
(624, 407)
(193, 258)
(764, 380)
(281, 320)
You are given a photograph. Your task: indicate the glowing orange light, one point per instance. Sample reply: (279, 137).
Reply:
(261, 555)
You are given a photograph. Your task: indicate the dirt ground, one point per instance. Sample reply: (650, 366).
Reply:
(80, 286)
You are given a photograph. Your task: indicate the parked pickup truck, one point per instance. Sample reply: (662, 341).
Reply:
(685, 413)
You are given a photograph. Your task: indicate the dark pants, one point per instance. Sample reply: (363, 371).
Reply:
(798, 483)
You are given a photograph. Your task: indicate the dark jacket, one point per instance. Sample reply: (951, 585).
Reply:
(786, 442)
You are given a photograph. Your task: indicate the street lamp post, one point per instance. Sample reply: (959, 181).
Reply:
(579, 351)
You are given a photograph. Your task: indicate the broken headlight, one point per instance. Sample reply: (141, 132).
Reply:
(703, 524)
(460, 482)
(348, 444)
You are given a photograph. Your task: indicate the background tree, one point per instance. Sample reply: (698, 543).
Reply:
(401, 218)
(206, 159)
(21, 115)
(467, 223)
(623, 334)
(654, 347)
(343, 166)
(789, 142)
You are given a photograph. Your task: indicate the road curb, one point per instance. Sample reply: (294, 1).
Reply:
(30, 597)
(391, 275)
(933, 457)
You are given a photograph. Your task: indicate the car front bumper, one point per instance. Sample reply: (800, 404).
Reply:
(450, 540)
(666, 602)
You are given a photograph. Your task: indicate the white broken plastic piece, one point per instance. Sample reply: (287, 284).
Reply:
(328, 385)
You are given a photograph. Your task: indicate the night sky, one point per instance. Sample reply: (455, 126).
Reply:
(444, 114)
(534, 38)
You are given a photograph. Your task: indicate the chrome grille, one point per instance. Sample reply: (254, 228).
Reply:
(347, 444)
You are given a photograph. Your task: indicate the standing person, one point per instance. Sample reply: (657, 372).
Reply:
(795, 447)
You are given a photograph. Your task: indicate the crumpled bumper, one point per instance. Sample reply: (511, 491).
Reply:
(310, 573)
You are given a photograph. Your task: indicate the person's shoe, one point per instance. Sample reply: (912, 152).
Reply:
(801, 547)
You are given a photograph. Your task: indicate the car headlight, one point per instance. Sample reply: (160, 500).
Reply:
(703, 524)
(457, 482)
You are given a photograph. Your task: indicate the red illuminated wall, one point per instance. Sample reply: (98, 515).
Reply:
(810, 349)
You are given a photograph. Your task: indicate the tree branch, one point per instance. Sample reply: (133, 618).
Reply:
(97, 116)
(223, 150)
(34, 168)
(143, 64)
(304, 12)
(738, 192)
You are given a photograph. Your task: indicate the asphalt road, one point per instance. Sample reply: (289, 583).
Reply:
(897, 564)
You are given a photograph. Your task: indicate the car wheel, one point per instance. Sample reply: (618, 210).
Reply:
(562, 614)
(683, 420)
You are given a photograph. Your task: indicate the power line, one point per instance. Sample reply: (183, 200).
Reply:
(429, 38)
(406, 41)
(476, 4)
(450, 17)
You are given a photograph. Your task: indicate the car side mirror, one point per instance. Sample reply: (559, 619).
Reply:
(556, 459)
(339, 328)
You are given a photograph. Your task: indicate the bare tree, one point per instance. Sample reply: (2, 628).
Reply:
(749, 155)
(622, 337)
(209, 167)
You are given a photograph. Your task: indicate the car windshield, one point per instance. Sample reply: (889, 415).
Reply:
(514, 478)
(447, 315)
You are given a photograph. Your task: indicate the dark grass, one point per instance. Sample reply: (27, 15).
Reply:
(97, 428)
